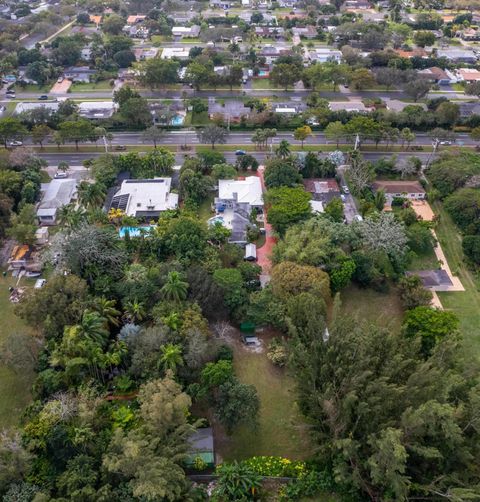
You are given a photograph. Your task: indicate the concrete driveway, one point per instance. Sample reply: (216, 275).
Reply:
(61, 87)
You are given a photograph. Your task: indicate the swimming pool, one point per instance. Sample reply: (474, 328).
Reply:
(263, 73)
(134, 231)
(177, 120)
(216, 219)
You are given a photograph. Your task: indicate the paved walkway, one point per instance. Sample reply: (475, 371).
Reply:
(264, 253)
(456, 284)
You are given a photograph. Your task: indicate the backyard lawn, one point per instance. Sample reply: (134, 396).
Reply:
(14, 387)
(466, 304)
(281, 429)
(383, 309)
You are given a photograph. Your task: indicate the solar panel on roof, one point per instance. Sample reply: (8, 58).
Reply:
(120, 202)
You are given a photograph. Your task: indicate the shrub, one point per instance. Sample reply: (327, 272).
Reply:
(276, 466)
(277, 353)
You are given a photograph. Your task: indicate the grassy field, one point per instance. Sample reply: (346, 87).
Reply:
(102, 85)
(14, 387)
(466, 304)
(281, 429)
(383, 309)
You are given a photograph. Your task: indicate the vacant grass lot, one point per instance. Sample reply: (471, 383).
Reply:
(102, 85)
(466, 304)
(14, 387)
(281, 429)
(383, 309)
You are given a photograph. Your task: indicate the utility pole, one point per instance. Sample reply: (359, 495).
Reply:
(435, 144)
(357, 142)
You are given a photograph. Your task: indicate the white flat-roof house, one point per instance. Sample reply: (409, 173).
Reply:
(182, 53)
(322, 55)
(145, 198)
(59, 193)
(247, 190)
(97, 109)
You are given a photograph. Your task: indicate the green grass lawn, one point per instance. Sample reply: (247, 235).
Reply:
(424, 261)
(458, 87)
(383, 309)
(466, 304)
(192, 40)
(14, 386)
(205, 209)
(102, 85)
(261, 84)
(199, 119)
(281, 429)
(159, 39)
(41, 89)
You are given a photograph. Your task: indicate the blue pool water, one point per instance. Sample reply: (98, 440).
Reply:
(177, 120)
(134, 231)
(216, 219)
(262, 73)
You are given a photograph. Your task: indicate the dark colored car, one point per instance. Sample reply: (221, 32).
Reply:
(43, 97)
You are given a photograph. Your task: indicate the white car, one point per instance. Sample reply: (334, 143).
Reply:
(345, 189)
(15, 143)
(358, 217)
(60, 175)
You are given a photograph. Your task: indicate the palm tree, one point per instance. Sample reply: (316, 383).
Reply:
(172, 321)
(134, 311)
(92, 327)
(171, 356)
(70, 217)
(175, 288)
(106, 308)
(283, 149)
(91, 194)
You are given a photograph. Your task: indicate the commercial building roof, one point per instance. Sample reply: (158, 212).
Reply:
(247, 190)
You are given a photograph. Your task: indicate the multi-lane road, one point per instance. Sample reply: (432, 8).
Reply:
(76, 159)
(189, 136)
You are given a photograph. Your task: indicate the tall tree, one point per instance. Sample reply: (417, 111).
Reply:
(213, 134)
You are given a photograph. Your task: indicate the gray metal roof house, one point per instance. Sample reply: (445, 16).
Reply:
(59, 193)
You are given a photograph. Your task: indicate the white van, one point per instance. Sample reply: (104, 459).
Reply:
(250, 252)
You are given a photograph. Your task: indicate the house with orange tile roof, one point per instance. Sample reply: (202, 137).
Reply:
(134, 19)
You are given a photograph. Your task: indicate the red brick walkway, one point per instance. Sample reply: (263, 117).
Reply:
(264, 253)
